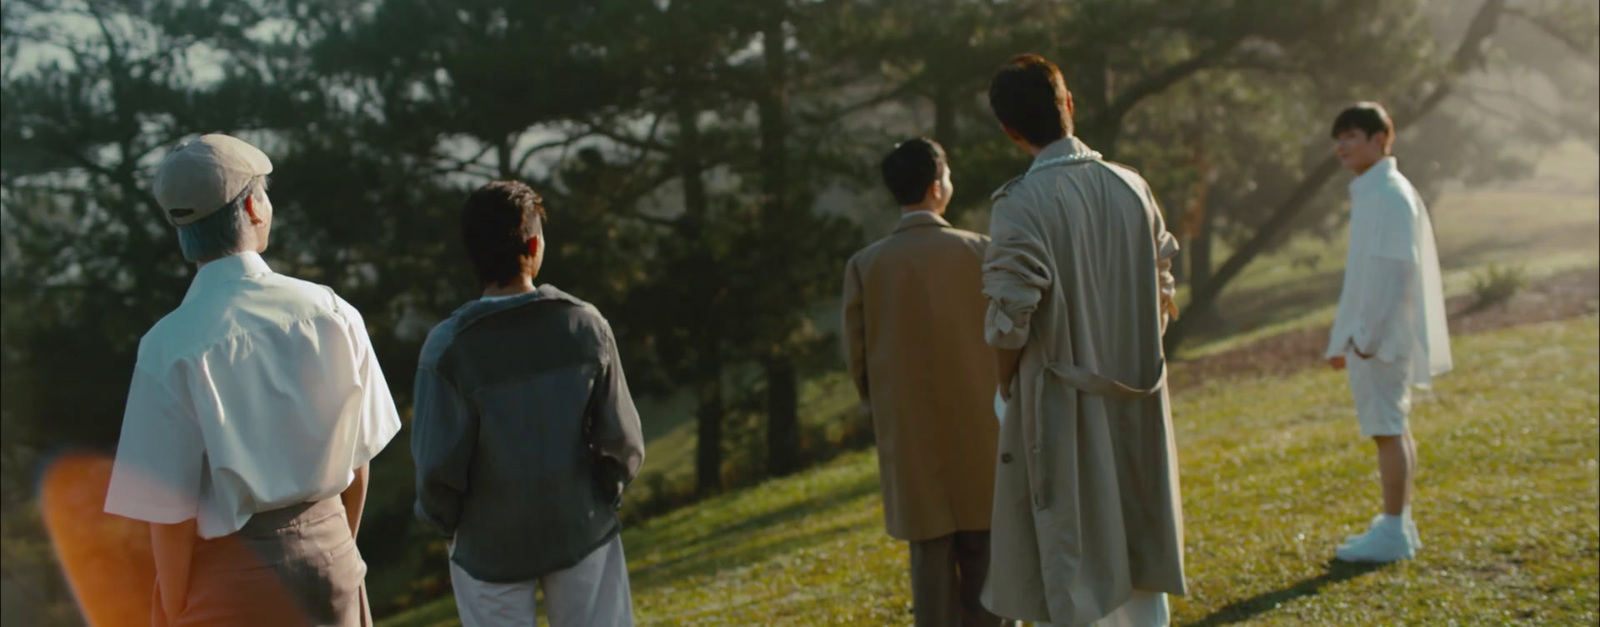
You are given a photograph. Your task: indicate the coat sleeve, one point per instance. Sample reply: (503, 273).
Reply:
(614, 431)
(855, 330)
(443, 436)
(1390, 286)
(1016, 274)
(1166, 250)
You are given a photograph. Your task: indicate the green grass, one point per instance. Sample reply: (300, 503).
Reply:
(808, 547)
(1274, 474)
(1547, 230)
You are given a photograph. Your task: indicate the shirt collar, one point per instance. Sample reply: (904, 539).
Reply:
(1063, 147)
(231, 268)
(1379, 171)
(480, 307)
(491, 299)
(914, 219)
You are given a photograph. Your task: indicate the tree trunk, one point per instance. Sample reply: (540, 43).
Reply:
(1467, 57)
(708, 445)
(502, 153)
(944, 116)
(1098, 127)
(1200, 266)
(783, 419)
(783, 425)
(705, 332)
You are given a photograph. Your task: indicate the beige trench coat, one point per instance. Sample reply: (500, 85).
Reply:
(913, 334)
(1086, 495)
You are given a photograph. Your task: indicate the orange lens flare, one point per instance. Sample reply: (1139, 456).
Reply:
(106, 558)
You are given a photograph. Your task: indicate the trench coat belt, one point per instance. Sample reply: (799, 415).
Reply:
(1085, 381)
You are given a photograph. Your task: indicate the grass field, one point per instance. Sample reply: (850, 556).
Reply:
(1274, 474)
(1274, 470)
(1547, 226)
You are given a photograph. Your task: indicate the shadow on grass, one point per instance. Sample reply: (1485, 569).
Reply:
(1242, 309)
(1240, 611)
(710, 550)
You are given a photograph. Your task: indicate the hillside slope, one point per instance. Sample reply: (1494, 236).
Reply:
(1274, 474)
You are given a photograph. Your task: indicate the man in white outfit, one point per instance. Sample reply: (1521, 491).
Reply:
(1390, 333)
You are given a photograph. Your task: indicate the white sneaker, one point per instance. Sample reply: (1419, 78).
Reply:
(1410, 525)
(1385, 542)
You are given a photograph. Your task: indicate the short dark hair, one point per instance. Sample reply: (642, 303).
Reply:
(497, 221)
(911, 167)
(1029, 96)
(1367, 117)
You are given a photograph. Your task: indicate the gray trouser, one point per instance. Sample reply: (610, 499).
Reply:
(947, 576)
(296, 566)
(593, 593)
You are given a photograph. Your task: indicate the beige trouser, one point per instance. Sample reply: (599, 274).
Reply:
(293, 567)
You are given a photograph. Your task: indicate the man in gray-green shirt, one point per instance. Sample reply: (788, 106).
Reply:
(525, 434)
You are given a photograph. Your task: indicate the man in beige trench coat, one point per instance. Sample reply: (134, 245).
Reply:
(913, 318)
(1087, 524)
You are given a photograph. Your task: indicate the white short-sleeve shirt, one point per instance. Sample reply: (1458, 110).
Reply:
(260, 391)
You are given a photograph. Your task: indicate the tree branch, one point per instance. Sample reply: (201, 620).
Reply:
(453, 165)
(1125, 100)
(522, 162)
(1584, 50)
(1467, 57)
(648, 143)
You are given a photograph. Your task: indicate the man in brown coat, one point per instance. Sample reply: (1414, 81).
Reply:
(913, 322)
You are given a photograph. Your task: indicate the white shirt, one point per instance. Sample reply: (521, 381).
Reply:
(260, 391)
(1392, 303)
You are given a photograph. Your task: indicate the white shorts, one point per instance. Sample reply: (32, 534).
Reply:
(1382, 393)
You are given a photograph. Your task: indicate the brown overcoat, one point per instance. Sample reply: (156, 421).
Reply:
(1086, 495)
(913, 333)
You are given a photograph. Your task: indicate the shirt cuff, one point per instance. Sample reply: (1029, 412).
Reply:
(1003, 331)
(421, 513)
(1336, 347)
(377, 441)
(149, 512)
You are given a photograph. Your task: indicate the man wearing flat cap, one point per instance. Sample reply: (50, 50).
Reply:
(254, 410)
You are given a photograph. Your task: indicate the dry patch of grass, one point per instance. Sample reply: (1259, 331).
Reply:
(1558, 297)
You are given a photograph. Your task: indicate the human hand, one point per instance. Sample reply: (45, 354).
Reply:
(1351, 346)
(1337, 362)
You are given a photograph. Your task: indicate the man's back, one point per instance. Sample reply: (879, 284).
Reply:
(523, 416)
(276, 386)
(1084, 231)
(1075, 279)
(916, 353)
